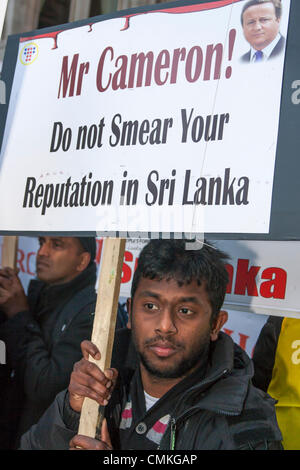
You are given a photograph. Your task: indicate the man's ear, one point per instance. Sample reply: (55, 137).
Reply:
(218, 324)
(129, 306)
(85, 259)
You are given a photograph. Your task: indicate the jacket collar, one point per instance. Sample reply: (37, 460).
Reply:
(228, 375)
(51, 295)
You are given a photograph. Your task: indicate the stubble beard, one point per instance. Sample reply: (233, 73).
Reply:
(179, 368)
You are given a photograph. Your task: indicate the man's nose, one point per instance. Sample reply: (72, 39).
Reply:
(257, 25)
(44, 250)
(166, 322)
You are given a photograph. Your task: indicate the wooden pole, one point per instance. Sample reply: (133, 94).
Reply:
(104, 325)
(9, 252)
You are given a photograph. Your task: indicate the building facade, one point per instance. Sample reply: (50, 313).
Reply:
(26, 15)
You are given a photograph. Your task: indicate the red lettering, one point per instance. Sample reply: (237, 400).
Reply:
(211, 49)
(126, 270)
(68, 78)
(142, 69)
(119, 78)
(99, 243)
(243, 340)
(162, 62)
(198, 66)
(229, 269)
(276, 285)
(20, 259)
(140, 58)
(227, 331)
(32, 253)
(100, 69)
(179, 54)
(83, 69)
(245, 283)
(245, 278)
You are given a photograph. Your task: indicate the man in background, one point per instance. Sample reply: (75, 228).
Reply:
(261, 22)
(42, 331)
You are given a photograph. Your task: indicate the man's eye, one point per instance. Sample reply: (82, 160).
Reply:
(151, 306)
(186, 311)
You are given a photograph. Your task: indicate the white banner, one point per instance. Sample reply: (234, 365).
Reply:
(263, 275)
(144, 124)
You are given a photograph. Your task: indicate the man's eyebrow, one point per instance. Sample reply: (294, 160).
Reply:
(149, 293)
(187, 299)
(192, 299)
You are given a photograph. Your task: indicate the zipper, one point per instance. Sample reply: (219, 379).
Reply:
(173, 434)
(200, 386)
(191, 411)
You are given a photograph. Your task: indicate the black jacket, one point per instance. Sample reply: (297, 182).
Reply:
(222, 411)
(265, 351)
(42, 346)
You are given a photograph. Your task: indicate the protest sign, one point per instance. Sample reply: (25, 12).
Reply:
(263, 277)
(120, 126)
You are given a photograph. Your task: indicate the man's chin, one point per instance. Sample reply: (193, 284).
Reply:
(260, 43)
(43, 275)
(164, 368)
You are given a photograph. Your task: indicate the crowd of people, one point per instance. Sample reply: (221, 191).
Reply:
(176, 381)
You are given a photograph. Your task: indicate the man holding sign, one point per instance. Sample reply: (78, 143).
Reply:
(184, 384)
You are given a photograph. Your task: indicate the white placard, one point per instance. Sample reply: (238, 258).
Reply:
(151, 125)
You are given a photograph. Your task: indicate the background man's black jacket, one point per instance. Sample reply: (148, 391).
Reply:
(42, 345)
(265, 351)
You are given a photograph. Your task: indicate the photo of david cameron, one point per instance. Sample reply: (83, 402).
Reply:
(261, 23)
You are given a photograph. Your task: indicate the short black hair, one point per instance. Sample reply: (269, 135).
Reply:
(277, 5)
(170, 259)
(88, 244)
